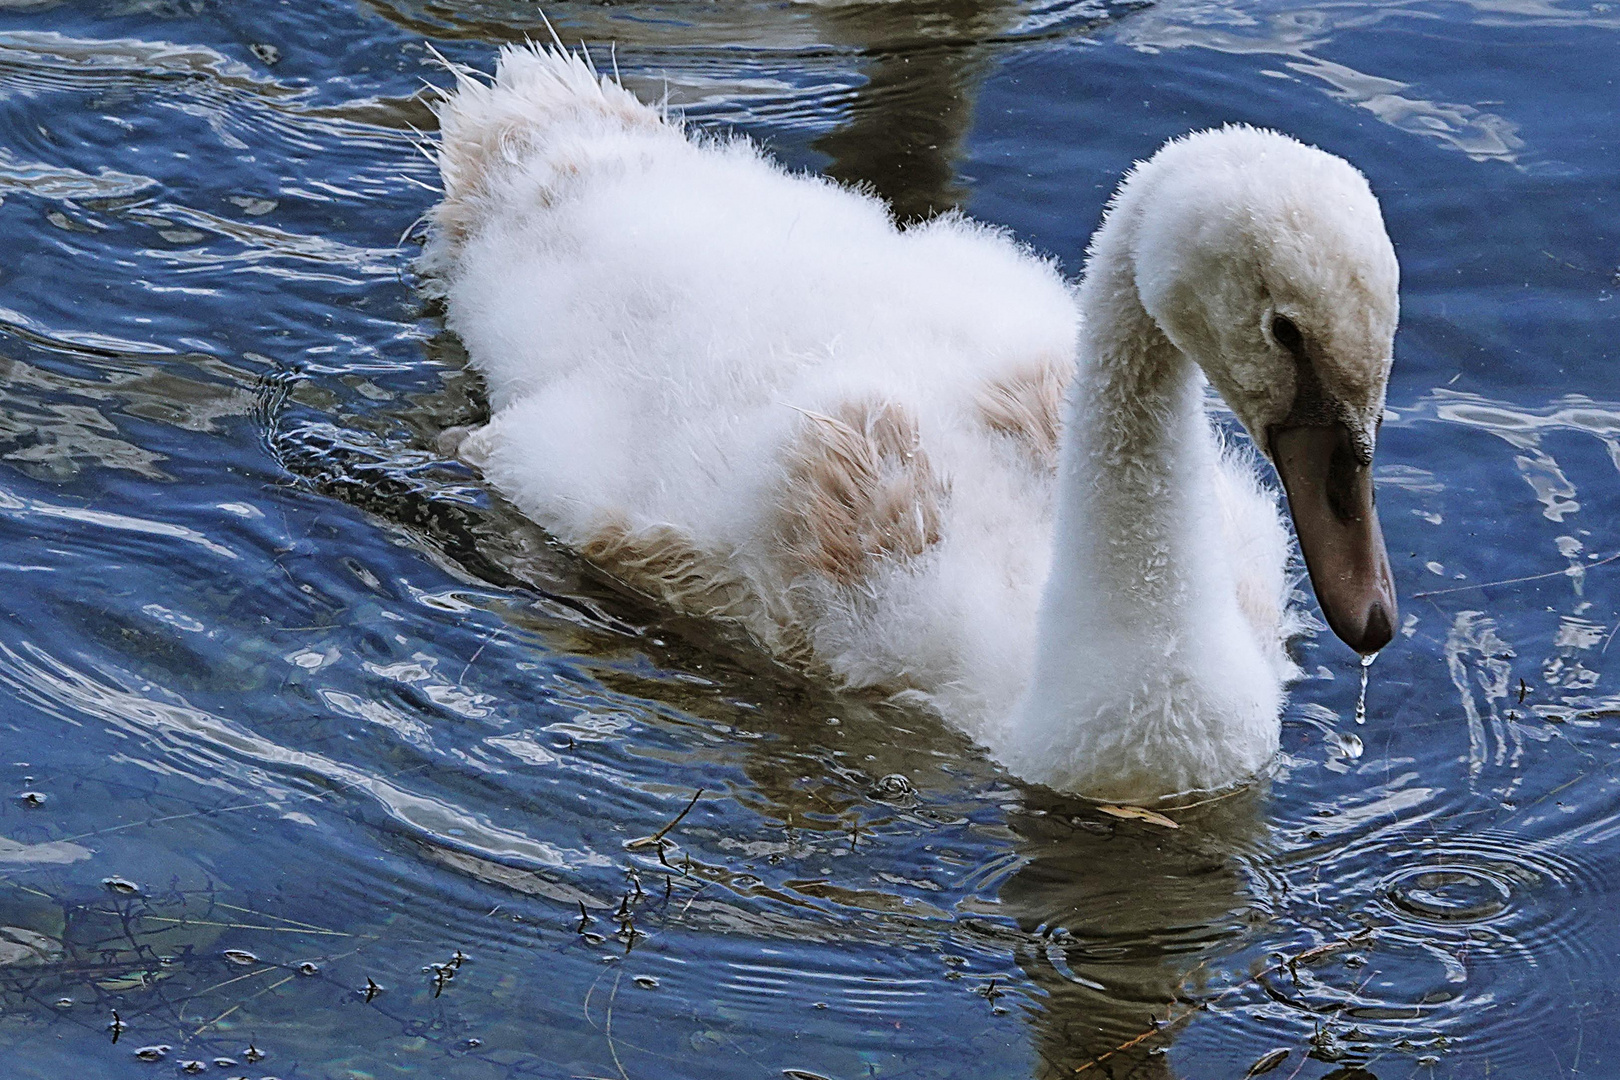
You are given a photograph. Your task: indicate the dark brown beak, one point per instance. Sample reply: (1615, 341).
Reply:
(1330, 494)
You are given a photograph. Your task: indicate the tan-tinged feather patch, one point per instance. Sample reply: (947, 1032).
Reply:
(1027, 406)
(486, 129)
(861, 491)
(663, 563)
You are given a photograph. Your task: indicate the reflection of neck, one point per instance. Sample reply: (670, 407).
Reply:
(905, 126)
(1146, 674)
(1077, 890)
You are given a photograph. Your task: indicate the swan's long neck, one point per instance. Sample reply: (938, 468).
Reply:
(1133, 546)
(1147, 677)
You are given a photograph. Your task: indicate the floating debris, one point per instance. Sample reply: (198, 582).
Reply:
(372, 989)
(117, 1026)
(657, 838)
(32, 799)
(1137, 813)
(646, 982)
(253, 1055)
(121, 886)
(193, 1067)
(240, 957)
(309, 967)
(153, 1053)
(1268, 1062)
(441, 975)
(1325, 1046)
(269, 55)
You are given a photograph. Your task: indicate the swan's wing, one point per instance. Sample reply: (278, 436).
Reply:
(705, 370)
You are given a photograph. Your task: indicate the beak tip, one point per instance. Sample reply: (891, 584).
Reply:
(1330, 495)
(1376, 631)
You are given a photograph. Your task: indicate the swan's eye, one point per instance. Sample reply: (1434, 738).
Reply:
(1286, 334)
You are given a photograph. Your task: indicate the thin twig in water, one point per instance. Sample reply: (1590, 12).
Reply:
(1146, 1035)
(589, 990)
(244, 926)
(607, 1028)
(239, 1004)
(657, 837)
(227, 982)
(1568, 571)
(473, 659)
(172, 817)
(1171, 1021)
(278, 918)
(693, 897)
(1303, 1058)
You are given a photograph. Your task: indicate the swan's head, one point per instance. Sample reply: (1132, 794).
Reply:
(1266, 261)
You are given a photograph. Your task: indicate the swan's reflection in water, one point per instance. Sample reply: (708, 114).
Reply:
(1117, 926)
(1122, 923)
(1096, 928)
(890, 85)
(878, 826)
(904, 128)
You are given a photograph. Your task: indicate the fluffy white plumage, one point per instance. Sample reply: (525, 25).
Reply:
(748, 394)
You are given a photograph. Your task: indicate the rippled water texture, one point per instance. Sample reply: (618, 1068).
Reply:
(319, 760)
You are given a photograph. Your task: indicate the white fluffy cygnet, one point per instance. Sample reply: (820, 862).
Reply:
(920, 462)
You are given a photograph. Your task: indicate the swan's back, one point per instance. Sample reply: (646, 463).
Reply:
(746, 392)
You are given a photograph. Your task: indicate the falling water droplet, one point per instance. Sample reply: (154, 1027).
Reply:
(1361, 702)
(1350, 744)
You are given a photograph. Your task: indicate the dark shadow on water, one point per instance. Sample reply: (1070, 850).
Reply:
(904, 127)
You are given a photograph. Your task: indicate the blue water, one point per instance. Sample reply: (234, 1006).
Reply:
(295, 708)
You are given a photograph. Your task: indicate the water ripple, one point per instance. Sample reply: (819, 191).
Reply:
(214, 751)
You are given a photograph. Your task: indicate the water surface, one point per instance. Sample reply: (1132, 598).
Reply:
(319, 762)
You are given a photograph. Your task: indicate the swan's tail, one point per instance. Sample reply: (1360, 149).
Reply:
(522, 137)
